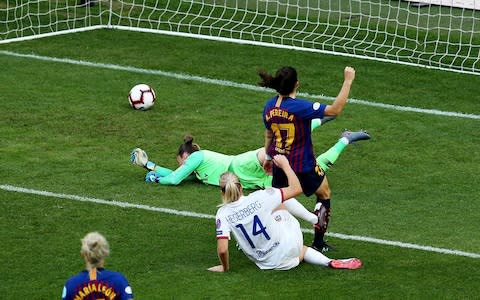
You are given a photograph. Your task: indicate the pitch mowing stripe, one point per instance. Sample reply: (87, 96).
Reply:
(232, 84)
(12, 188)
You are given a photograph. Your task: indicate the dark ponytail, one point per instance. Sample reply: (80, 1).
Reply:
(284, 81)
(188, 146)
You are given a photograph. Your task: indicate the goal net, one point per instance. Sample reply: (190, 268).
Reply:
(437, 36)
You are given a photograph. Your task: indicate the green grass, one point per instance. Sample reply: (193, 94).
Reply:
(69, 129)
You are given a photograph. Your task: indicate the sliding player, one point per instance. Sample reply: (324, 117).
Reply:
(267, 234)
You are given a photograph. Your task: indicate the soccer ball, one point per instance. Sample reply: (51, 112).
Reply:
(141, 97)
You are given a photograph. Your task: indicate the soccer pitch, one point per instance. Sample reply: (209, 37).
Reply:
(405, 202)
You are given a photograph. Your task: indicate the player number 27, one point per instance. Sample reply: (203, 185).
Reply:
(257, 229)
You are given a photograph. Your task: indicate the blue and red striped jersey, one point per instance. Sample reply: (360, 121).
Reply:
(97, 284)
(290, 121)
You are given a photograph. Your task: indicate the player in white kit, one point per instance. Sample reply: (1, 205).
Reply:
(265, 231)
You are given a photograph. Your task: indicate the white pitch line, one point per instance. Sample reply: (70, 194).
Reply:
(231, 84)
(12, 188)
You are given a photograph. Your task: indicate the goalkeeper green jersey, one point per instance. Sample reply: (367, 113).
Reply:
(208, 166)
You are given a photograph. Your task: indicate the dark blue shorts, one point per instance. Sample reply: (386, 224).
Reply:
(310, 181)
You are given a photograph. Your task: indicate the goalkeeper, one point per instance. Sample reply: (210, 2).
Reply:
(207, 166)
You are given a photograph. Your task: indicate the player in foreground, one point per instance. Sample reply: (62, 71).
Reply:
(268, 234)
(95, 282)
(207, 166)
(287, 122)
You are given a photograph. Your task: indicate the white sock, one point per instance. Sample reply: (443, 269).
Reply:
(344, 140)
(298, 210)
(314, 257)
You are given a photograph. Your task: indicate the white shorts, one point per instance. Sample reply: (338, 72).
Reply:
(287, 255)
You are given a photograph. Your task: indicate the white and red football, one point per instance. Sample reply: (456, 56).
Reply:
(142, 97)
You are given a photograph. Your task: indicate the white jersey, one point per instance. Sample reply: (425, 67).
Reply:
(272, 241)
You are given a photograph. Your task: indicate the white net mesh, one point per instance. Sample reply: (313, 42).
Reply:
(444, 37)
(28, 18)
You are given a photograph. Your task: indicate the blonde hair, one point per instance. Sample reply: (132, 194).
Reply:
(231, 188)
(94, 249)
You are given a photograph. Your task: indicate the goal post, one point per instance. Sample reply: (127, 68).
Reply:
(471, 4)
(435, 36)
(30, 19)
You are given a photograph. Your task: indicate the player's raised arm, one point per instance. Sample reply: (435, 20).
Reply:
(337, 106)
(294, 188)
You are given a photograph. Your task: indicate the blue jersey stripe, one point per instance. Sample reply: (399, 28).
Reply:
(285, 116)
